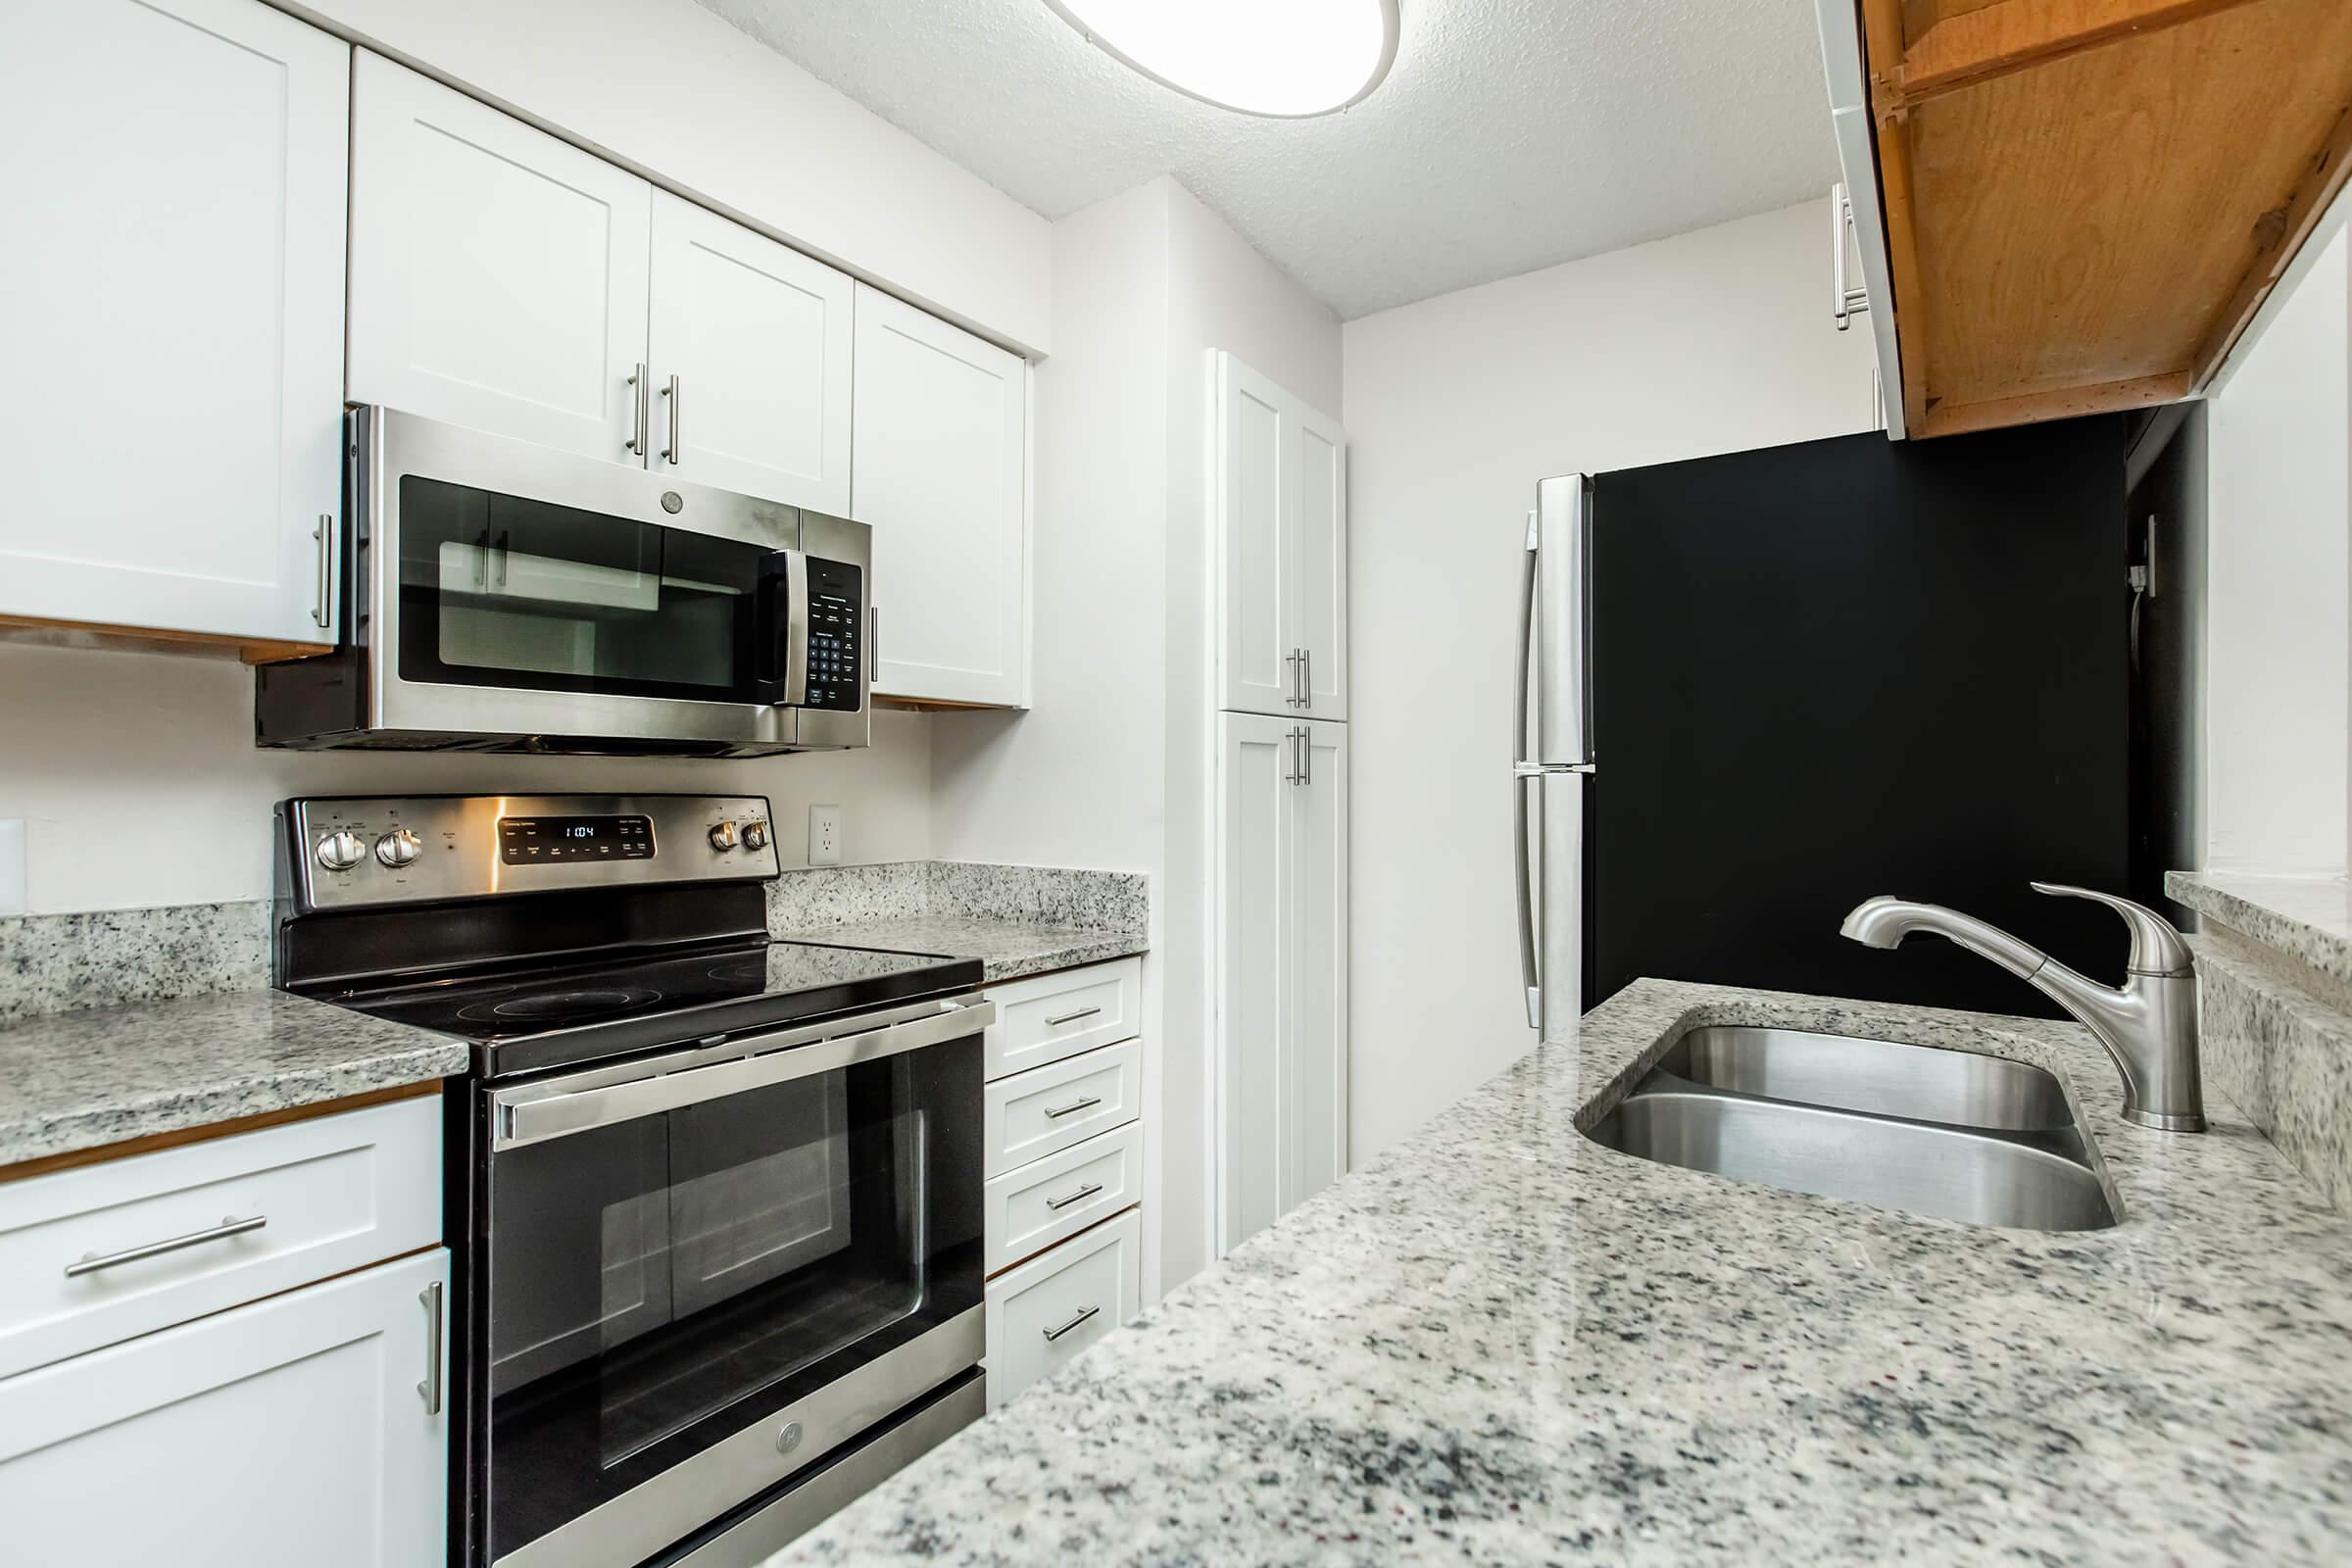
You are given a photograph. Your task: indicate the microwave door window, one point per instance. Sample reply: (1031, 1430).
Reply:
(501, 591)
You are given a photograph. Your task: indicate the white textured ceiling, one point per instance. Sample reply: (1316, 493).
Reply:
(1511, 134)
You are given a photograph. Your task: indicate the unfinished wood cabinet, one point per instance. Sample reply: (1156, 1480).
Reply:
(2085, 201)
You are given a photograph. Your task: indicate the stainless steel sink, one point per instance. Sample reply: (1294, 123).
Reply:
(1945, 1132)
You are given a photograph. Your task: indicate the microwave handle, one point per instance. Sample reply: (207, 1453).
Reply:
(788, 629)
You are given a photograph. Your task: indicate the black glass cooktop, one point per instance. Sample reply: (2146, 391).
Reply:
(523, 1019)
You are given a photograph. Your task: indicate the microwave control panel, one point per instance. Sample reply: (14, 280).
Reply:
(836, 644)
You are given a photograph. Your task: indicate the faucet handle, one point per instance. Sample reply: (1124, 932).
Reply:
(2156, 948)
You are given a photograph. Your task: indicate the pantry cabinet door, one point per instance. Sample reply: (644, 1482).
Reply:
(1257, 643)
(940, 471)
(1318, 552)
(1313, 1088)
(1258, 767)
(750, 348)
(172, 306)
(498, 275)
(294, 1431)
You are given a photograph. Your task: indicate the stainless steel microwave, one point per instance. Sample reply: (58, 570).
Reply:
(501, 596)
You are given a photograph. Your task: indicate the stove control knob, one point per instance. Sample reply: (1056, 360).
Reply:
(341, 850)
(755, 835)
(723, 835)
(398, 848)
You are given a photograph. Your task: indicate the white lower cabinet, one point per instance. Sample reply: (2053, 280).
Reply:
(1044, 1313)
(1281, 963)
(303, 1429)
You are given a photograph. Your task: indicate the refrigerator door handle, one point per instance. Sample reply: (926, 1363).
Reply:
(1522, 782)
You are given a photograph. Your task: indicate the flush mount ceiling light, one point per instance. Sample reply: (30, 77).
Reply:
(1282, 59)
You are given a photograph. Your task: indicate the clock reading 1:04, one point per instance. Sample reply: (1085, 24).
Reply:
(527, 840)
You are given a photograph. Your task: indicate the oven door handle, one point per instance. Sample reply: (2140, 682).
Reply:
(537, 1112)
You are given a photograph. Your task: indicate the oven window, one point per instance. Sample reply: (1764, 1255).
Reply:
(657, 1285)
(499, 590)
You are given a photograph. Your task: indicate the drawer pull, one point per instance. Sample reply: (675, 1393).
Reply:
(1080, 1196)
(1071, 1018)
(91, 1264)
(1084, 1313)
(1056, 1112)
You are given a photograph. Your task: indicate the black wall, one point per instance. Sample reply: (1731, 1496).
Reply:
(1857, 667)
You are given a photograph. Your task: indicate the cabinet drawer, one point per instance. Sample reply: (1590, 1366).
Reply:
(1049, 1016)
(330, 1195)
(1044, 1313)
(1043, 1111)
(1061, 1195)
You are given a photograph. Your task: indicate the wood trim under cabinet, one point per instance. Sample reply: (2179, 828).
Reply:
(43, 1164)
(156, 639)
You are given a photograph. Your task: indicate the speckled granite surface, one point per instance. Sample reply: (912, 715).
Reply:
(1502, 1344)
(52, 963)
(83, 1079)
(1007, 949)
(2282, 1057)
(1017, 920)
(2307, 918)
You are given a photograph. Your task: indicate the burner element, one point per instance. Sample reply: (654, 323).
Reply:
(561, 1007)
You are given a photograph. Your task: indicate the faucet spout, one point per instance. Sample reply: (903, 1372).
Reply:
(2148, 1025)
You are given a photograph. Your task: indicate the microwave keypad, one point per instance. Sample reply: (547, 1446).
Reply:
(836, 650)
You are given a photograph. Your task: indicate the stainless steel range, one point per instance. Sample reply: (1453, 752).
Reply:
(714, 1200)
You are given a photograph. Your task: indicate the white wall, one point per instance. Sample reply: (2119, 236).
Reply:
(139, 783)
(1709, 342)
(677, 94)
(2278, 657)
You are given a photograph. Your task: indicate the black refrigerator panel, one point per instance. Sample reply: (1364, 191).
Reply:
(1855, 667)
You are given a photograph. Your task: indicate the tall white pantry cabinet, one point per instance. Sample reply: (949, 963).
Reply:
(1279, 494)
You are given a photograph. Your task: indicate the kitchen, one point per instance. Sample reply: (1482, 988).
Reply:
(1153, 483)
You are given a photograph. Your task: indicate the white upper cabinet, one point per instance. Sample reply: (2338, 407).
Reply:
(1281, 497)
(751, 361)
(171, 305)
(498, 275)
(939, 470)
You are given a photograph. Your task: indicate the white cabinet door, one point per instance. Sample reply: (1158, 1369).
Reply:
(939, 471)
(287, 1434)
(750, 348)
(1314, 1056)
(498, 275)
(1281, 497)
(1319, 563)
(1256, 761)
(172, 285)
(1253, 481)
(1282, 967)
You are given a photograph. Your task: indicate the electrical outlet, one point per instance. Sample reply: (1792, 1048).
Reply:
(824, 834)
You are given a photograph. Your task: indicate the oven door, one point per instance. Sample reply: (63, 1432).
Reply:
(515, 590)
(709, 1269)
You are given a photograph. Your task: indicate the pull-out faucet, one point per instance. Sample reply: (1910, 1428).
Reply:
(2150, 1026)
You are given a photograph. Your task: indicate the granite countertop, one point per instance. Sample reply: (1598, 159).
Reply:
(78, 1080)
(1006, 949)
(1501, 1343)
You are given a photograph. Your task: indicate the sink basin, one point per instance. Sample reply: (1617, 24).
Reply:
(1944, 1133)
(1883, 1077)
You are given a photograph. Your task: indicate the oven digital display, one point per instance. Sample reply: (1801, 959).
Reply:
(531, 840)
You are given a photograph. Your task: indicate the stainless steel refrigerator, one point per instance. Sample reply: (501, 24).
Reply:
(1756, 689)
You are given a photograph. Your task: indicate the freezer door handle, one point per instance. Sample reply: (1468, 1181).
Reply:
(1561, 624)
(1524, 780)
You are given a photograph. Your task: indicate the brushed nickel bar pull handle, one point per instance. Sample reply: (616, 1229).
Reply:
(1290, 675)
(1083, 1315)
(1071, 1018)
(1078, 1196)
(1056, 1113)
(430, 1389)
(1306, 678)
(90, 1264)
(1307, 756)
(673, 448)
(640, 410)
(323, 613)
